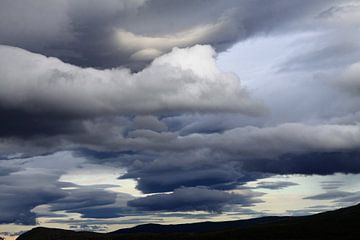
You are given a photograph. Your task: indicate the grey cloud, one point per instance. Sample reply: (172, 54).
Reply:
(191, 199)
(49, 215)
(20, 21)
(339, 196)
(64, 32)
(35, 183)
(256, 142)
(103, 207)
(134, 221)
(321, 163)
(275, 185)
(83, 198)
(89, 227)
(331, 185)
(6, 170)
(44, 189)
(38, 189)
(169, 180)
(349, 80)
(12, 233)
(172, 171)
(136, 120)
(245, 154)
(335, 43)
(329, 57)
(329, 195)
(286, 148)
(309, 210)
(24, 124)
(283, 149)
(103, 212)
(149, 122)
(36, 177)
(118, 35)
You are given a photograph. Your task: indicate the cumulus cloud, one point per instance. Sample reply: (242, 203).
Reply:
(183, 80)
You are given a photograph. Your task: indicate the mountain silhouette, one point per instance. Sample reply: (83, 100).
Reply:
(338, 224)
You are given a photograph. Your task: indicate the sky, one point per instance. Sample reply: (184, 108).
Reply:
(118, 113)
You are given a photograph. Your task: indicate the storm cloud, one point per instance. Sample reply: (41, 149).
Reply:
(118, 35)
(190, 199)
(184, 107)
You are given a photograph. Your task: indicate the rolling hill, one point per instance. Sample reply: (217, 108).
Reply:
(338, 224)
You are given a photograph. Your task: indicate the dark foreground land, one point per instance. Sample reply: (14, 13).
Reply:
(340, 224)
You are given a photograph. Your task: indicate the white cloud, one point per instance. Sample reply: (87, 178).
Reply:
(184, 80)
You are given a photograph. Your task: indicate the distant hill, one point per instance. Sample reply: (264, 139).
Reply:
(196, 227)
(340, 224)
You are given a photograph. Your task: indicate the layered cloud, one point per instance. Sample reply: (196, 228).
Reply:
(137, 85)
(118, 35)
(192, 199)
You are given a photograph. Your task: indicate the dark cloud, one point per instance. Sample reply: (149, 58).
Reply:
(100, 209)
(183, 128)
(312, 163)
(102, 212)
(118, 35)
(38, 189)
(133, 221)
(192, 199)
(49, 215)
(35, 182)
(26, 125)
(6, 170)
(81, 198)
(224, 178)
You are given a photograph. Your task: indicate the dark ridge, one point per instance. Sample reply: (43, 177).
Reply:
(196, 227)
(341, 224)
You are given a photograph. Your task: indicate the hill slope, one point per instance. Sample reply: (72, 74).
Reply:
(339, 224)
